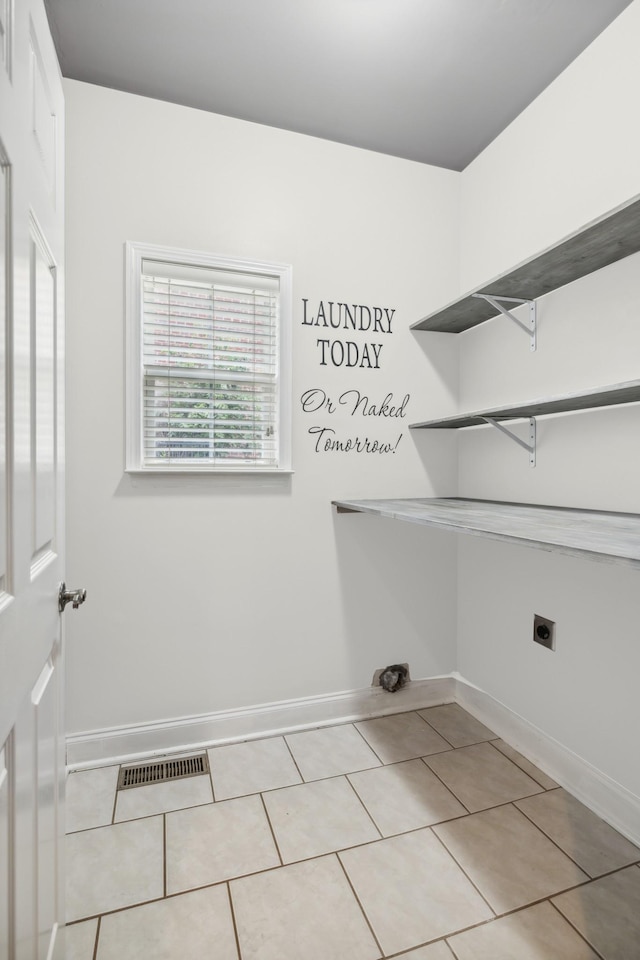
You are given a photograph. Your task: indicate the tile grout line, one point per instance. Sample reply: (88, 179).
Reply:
(566, 919)
(458, 746)
(426, 944)
(271, 828)
(496, 916)
(328, 853)
(364, 807)
(534, 765)
(447, 787)
(536, 903)
(510, 763)
(550, 839)
(601, 876)
(493, 806)
(390, 763)
(353, 847)
(365, 741)
(164, 855)
(435, 729)
(532, 903)
(295, 762)
(357, 899)
(233, 919)
(452, 949)
(150, 816)
(423, 757)
(213, 789)
(568, 855)
(95, 943)
(530, 775)
(548, 897)
(461, 868)
(115, 798)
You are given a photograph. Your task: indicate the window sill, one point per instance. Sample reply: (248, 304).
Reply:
(207, 471)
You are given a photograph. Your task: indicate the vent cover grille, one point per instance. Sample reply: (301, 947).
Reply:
(163, 770)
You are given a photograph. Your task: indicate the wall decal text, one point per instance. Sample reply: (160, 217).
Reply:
(329, 443)
(354, 403)
(356, 317)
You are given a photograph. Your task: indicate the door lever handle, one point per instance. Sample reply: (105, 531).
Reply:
(74, 597)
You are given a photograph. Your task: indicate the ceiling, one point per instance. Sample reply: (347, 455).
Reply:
(429, 80)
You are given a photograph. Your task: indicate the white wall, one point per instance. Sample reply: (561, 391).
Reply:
(331, 598)
(568, 158)
(573, 155)
(213, 593)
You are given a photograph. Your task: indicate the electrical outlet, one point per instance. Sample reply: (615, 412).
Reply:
(544, 632)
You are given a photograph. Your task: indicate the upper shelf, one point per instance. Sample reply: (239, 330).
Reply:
(628, 392)
(590, 534)
(610, 238)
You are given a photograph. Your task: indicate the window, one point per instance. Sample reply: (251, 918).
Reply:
(208, 366)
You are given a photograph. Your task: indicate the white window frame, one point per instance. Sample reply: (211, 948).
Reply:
(135, 253)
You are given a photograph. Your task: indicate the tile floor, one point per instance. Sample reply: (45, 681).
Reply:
(418, 835)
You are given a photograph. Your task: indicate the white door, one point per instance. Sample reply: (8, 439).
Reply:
(31, 485)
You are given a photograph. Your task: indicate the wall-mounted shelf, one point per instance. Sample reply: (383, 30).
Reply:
(605, 536)
(608, 396)
(590, 534)
(604, 241)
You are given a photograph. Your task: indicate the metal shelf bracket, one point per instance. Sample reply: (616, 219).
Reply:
(529, 447)
(497, 301)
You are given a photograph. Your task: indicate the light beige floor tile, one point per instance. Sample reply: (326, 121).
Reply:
(481, 777)
(412, 890)
(405, 796)
(456, 725)
(113, 867)
(330, 752)
(306, 910)
(90, 798)
(607, 913)
(190, 926)
(163, 797)
(316, 818)
(510, 861)
(534, 772)
(537, 933)
(435, 951)
(592, 843)
(80, 940)
(213, 843)
(401, 737)
(239, 769)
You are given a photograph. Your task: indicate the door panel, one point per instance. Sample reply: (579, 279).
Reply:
(43, 331)
(31, 485)
(24, 904)
(45, 706)
(6, 871)
(43, 118)
(5, 202)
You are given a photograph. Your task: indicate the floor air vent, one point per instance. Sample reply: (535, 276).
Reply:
(162, 771)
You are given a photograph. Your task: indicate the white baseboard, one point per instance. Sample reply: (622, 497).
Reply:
(607, 798)
(124, 744)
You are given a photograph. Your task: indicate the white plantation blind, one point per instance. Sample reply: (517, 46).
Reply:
(210, 367)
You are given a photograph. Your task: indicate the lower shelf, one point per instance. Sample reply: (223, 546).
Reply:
(590, 534)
